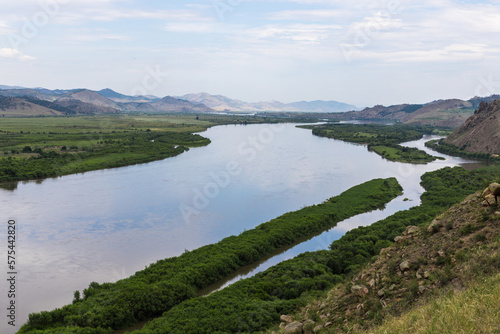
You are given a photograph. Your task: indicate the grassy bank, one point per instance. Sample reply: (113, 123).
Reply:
(256, 303)
(441, 146)
(162, 285)
(381, 139)
(41, 147)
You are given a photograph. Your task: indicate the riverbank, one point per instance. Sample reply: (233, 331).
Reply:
(381, 139)
(257, 303)
(42, 147)
(168, 282)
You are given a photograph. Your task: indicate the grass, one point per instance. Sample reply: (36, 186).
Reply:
(66, 145)
(475, 310)
(402, 154)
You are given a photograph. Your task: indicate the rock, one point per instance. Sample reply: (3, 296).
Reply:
(427, 274)
(381, 293)
(385, 251)
(490, 192)
(433, 225)
(286, 318)
(392, 287)
(411, 230)
(418, 275)
(283, 325)
(405, 265)
(294, 328)
(317, 328)
(399, 239)
(359, 290)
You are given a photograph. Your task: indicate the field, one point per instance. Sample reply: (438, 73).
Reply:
(40, 147)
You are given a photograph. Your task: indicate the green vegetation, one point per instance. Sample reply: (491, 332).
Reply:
(441, 146)
(382, 139)
(255, 304)
(402, 154)
(162, 285)
(41, 147)
(474, 310)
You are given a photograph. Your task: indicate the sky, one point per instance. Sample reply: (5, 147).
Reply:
(358, 52)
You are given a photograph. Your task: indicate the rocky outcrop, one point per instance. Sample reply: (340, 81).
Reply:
(481, 132)
(444, 255)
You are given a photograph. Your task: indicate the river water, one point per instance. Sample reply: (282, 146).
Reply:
(105, 225)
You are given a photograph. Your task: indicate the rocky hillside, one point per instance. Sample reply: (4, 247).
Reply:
(481, 132)
(449, 254)
(12, 106)
(449, 113)
(41, 101)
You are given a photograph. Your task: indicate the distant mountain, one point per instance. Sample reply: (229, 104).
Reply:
(121, 98)
(10, 87)
(90, 97)
(223, 103)
(450, 113)
(481, 132)
(27, 92)
(13, 106)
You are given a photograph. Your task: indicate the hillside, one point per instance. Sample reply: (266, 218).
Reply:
(41, 101)
(90, 97)
(448, 113)
(453, 252)
(12, 106)
(481, 132)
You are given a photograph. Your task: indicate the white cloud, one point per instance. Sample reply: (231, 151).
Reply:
(14, 54)
(308, 33)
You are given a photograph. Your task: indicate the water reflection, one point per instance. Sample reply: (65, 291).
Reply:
(105, 225)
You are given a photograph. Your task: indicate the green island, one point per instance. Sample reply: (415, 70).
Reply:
(169, 282)
(255, 304)
(381, 139)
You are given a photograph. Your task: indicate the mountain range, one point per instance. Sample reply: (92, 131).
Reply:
(447, 113)
(19, 101)
(42, 101)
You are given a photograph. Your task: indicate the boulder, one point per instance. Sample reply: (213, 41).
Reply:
(359, 290)
(412, 230)
(433, 225)
(294, 328)
(286, 318)
(405, 265)
(492, 190)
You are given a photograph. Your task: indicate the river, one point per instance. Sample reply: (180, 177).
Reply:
(105, 225)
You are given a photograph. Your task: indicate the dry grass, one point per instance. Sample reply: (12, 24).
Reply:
(475, 310)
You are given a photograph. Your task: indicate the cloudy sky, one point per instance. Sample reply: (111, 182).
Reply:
(359, 52)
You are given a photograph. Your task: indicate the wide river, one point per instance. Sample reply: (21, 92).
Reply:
(105, 225)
